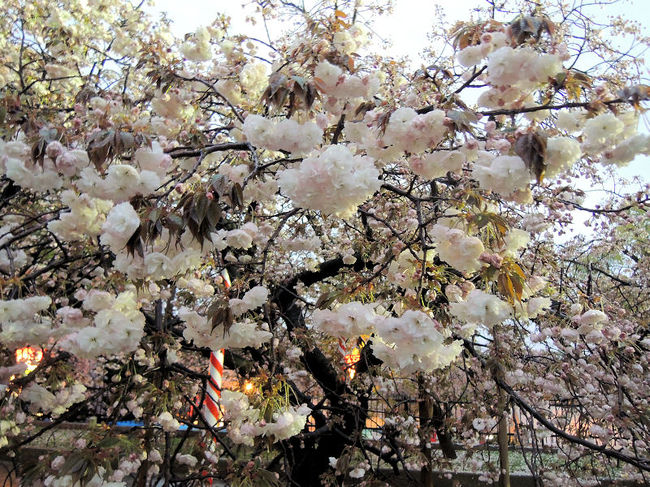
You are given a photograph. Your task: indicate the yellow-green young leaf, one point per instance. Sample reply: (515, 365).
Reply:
(499, 223)
(505, 286)
(518, 271)
(518, 285)
(325, 299)
(480, 220)
(473, 198)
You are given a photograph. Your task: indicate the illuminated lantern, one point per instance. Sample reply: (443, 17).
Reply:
(351, 357)
(29, 356)
(350, 361)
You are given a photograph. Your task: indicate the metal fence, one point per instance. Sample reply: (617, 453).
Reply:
(524, 431)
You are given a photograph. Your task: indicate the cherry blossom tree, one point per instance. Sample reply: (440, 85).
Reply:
(375, 248)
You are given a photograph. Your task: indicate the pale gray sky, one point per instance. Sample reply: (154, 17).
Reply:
(407, 25)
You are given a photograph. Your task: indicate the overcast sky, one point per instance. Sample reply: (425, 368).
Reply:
(407, 26)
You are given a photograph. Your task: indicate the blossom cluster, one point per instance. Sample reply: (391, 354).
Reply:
(524, 67)
(502, 174)
(41, 399)
(239, 238)
(246, 422)
(409, 131)
(561, 154)
(85, 218)
(437, 164)
(124, 181)
(254, 298)
(198, 287)
(253, 77)
(118, 325)
(197, 48)
(601, 132)
(405, 131)
(349, 41)
(406, 268)
(627, 150)
(458, 249)
(331, 80)
(349, 320)
(23, 323)
(199, 329)
(172, 105)
(480, 307)
(473, 55)
(414, 342)
(411, 342)
(287, 134)
(162, 260)
(334, 181)
(513, 241)
(121, 223)
(612, 135)
(16, 163)
(513, 73)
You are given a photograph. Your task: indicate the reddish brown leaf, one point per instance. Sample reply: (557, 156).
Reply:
(532, 149)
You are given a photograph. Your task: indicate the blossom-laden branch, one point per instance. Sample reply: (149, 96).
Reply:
(356, 240)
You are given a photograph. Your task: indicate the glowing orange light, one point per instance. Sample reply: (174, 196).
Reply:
(248, 387)
(350, 360)
(29, 356)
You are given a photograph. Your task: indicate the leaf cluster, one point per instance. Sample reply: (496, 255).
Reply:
(108, 144)
(298, 90)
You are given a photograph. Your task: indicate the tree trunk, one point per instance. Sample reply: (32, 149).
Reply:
(502, 412)
(425, 407)
(502, 437)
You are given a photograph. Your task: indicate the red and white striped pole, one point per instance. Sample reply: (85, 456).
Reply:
(343, 351)
(211, 411)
